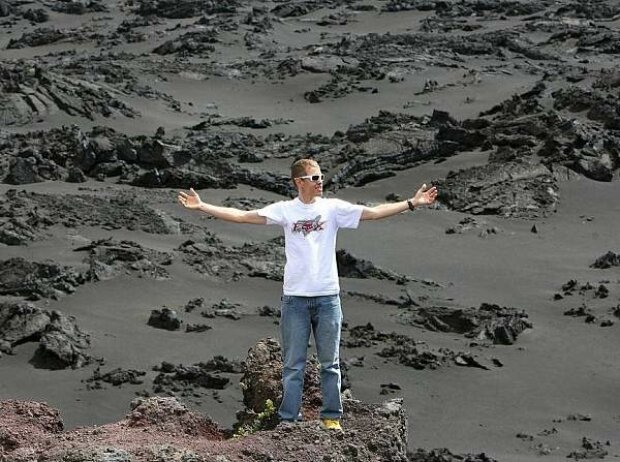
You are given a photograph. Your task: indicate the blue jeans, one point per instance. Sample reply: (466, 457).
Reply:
(323, 316)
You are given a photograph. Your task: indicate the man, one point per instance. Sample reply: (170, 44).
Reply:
(310, 300)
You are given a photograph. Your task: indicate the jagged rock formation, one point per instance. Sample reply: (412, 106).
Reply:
(115, 377)
(225, 309)
(31, 92)
(499, 325)
(531, 148)
(164, 319)
(405, 350)
(195, 379)
(185, 8)
(230, 263)
(185, 380)
(108, 258)
(445, 455)
(522, 190)
(607, 261)
(262, 381)
(164, 429)
(349, 266)
(195, 42)
(73, 7)
(25, 216)
(593, 306)
(35, 280)
(471, 224)
(62, 343)
(266, 260)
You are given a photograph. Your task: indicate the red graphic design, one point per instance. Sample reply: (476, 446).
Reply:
(307, 226)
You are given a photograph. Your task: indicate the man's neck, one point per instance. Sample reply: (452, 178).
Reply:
(307, 199)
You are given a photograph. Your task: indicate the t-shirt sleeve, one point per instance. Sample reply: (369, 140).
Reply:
(347, 214)
(274, 213)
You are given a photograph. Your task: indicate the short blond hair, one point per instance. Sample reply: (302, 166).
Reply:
(299, 167)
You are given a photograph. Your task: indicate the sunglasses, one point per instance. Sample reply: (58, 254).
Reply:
(313, 178)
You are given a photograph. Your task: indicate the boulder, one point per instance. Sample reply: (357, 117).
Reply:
(165, 319)
(62, 344)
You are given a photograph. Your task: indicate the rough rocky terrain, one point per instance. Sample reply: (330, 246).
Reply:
(492, 316)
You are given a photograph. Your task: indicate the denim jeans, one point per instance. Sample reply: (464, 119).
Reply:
(300, 315)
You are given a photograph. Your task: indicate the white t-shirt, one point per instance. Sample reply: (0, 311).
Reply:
(310, 242)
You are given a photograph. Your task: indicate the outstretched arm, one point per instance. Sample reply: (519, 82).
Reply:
(192, 201)
(423, 196)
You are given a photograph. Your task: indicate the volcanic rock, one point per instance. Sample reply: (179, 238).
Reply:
(164, 319)
(262, 380)
(225, 309)
(468, 224)
(349, 266)
(176, 9)
(115, 377)
(374, 432)
(25, 216)
(264, 260)
(38, 37)
(62, 343)
(192, 43)
(79, 7)
(34, 92)
(6, 8)
(515, 189)
(294, 9)
(187, 380)
(36, 280)
(403, 349)
(606, 261)
(445, 455)
(500, 325)
(590, 450)
(108, 258)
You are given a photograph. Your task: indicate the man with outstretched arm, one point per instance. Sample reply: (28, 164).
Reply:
(310, 300)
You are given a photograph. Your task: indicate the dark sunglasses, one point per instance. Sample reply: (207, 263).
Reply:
(314, 178)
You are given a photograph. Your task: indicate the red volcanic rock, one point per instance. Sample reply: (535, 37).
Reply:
(162, 428)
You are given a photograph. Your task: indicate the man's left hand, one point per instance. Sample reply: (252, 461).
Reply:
(425, 196)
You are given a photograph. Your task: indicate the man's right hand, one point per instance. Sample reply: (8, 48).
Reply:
(189, 200)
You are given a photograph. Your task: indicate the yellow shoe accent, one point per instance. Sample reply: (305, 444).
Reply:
(331, 424)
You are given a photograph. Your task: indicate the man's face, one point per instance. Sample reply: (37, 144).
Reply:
(306, 186)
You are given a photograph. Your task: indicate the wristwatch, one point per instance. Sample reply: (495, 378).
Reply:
(410, 205)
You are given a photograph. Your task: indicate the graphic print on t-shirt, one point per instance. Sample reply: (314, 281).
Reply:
(307, 226)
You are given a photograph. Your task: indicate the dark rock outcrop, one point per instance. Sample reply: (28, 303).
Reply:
(190, 380)
(36, 280)
(62, 343)
(25, 216)
(471, 224)
(192, 43)
(108, 258)
(164, 319)
(590, 449)
(524, 190)
(349, 266)
(500, 325)
(262, 380)
(374, 432)
(35, 92)
(264, 260)
(607, 260)
(405, 350)
(224, 309)
(185, 8)
(79, 7)
(115, 377)
(6, 8)
(445, 455)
